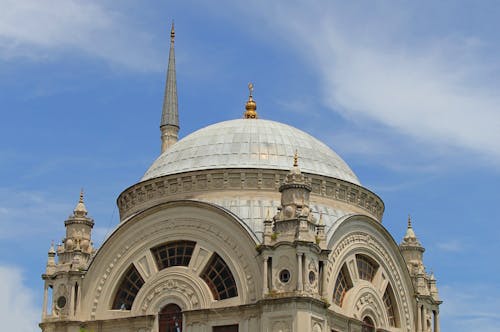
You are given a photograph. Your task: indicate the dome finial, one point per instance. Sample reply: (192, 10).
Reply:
(296, 159)
(81, 196)
(409, 221)
(251, 106)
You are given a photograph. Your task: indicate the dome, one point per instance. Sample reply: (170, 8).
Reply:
(246, 143)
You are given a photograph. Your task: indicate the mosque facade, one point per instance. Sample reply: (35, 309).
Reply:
(244, 225)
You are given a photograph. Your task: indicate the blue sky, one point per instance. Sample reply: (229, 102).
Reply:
(406, 92)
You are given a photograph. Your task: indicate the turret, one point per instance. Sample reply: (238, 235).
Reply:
(293, 232)
(63, 277)
(77, 245)
(426, 291)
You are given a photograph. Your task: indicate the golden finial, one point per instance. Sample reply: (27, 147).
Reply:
(172, 32)
(296, 159)
(81, 196)
(251, 106)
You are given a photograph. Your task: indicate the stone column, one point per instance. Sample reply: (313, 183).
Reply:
(436, 321)
(45, 295)
(72, 302)
(300, 284)
(423, 322)
(265, 288)
(419, 319)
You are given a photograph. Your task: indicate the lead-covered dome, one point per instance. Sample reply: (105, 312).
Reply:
(246, 143)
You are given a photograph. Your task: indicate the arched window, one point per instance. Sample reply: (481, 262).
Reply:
(170, 318)
(390, 306)
(219, 278)
(368, 325)
(176, 253)
(129, 287)
(342, 285)
(366, 267)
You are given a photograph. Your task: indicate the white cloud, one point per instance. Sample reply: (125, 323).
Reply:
(38, 30)
(18, 310)
(436, 88)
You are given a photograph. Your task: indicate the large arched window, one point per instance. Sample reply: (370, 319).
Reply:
(128, 289)
(342, 285)
(219, 278)
(176, 253)
(170, 318)
(366, 267)
(390, 306)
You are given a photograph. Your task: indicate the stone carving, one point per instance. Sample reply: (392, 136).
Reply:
(368, 300)
(171, 225)
(367, 240)
(158, 189)
(172, 286)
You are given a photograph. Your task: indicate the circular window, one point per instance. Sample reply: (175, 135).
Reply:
(312, 277)
(284, 276)
(61, 302)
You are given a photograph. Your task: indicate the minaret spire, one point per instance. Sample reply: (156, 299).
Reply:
(169, 125)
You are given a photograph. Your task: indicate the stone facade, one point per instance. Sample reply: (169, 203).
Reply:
(240, 249)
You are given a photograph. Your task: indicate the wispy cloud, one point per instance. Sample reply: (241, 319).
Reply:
(18, 308)
(439, 89)
(39, 30)
(451, 246)
(29, 213)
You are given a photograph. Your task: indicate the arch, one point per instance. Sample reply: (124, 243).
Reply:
(213, 229)
(170, 318)
(368, 325)
(359, 237)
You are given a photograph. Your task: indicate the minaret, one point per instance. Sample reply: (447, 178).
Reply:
(169, 125)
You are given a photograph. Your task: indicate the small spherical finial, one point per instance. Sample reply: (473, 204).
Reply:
(81, 196)
(250, 106)
(296, 159)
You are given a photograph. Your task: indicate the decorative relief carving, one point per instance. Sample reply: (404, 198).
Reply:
(132, 199)
(367, 240)
(369, 300)
(172, 286)
(179, 224)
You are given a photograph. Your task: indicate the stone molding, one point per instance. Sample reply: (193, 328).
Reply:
(247, 284)
(171, 285)
(364, 241)
(154, 191)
